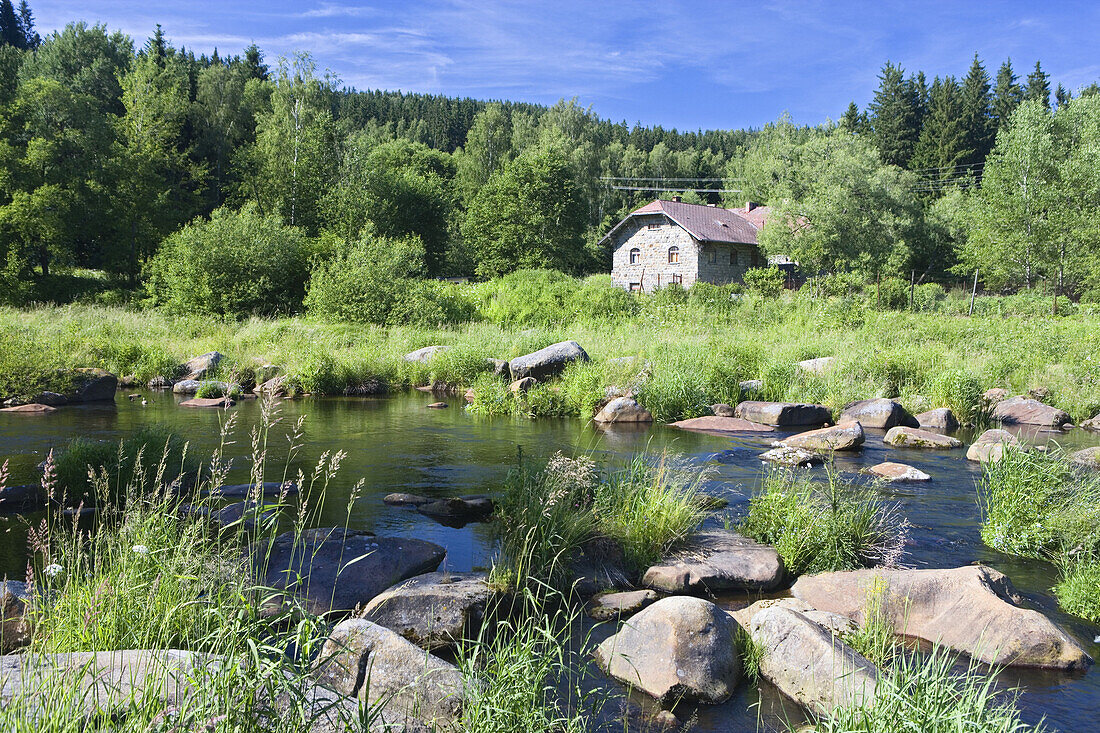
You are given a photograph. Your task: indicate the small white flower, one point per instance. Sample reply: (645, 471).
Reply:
(140, 549)
(53, 570)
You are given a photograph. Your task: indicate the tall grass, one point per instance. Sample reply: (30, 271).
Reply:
(818, 527)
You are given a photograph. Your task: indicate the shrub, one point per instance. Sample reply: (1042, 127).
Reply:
(237, 263)
(1078, 591)
(528, 298)
(597, 299)
(215, 389)
(765, 281)
(430, 304)
(891, 293)
(822, 527)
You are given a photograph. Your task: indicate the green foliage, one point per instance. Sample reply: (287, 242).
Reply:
(528, 298)
(818, 528)
(1078, 591)
(234, 264)
(765, 281)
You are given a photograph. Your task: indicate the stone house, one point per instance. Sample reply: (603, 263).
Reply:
(667, 242)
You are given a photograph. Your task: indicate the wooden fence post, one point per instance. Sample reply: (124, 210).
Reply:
(973, 292)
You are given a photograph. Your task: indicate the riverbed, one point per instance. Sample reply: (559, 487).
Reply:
(397, 444)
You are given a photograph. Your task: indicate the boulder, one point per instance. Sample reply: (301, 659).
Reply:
(438, 406)
(941, 418)
(787, 456)
(400, 499)
(16, 625)
(21, 497)
(1093, 423)
(809, 663)
(31, 409)
(715, 561)
(783, 414)
(160, 383)
(818, 366)
(722, 410)
(335, 569)
(833, 622)
(599, 566)
(435, 610)
(470, 395)
(363, 660)
(972, 609)
(499, 367)
(879, 413)
(186, 386)
(53, 399)
(751, 387)
(608, 606)
(268, 489)
(623, 409)
(991, 446)
(845, 436)
(1027, 411)
(215, 402)
(679, 648)
(426, 354)
(94, 385)
(1087, 457)
(201, 367)
(994, 395)
(522, 385)
(276, 386)
(718, 425)
(548, 362)
(460, 509)
(916, 438)
(898, 472)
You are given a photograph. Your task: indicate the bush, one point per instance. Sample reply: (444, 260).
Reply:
(818, 528)
(527, 298)
(237, 263)
(891, 293)
(765, 281)
(1078, 591)
(597, 299)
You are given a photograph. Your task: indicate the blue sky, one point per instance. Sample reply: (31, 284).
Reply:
(679, 64)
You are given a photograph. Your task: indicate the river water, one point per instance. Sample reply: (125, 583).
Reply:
(397, 444)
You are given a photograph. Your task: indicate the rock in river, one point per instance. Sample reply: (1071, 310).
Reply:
(715, 561)
(879, 413)
(991, 446)
(941, 418)
(607, 606)
(623, 409)
(335, 570)
(1027, 411)
(846, 436)
(785, 456)
(548, 362)
(783, 414)
(898, 472)
(16, 623)
(715, 424)
(214, 402)
(94, 385)
(434, 610)
(32, 409)
(972, 609)
(201, 367)
(679, 648)
(917, 438)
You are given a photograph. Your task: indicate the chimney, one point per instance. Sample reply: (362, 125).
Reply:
(676, 199)
(749, 206)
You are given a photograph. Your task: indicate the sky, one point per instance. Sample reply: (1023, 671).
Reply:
(688, 65)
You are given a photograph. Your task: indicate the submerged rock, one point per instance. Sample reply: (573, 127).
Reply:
(783, 414)
(941, 418)
(458, 509)
(879, 413)
(548, 362)
(846, 436)
(917, 438)
(898, 472)
(1027, 411)
(623, 409)
(991, 446)
(215, 402)
(679, 648)
(971, 609)
(400, 499)
(21, 497)
(32, 409)
(406, 679)
(335, 570)
(434, 610)
(715, 561)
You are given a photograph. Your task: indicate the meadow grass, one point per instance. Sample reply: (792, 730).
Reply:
(824, 526)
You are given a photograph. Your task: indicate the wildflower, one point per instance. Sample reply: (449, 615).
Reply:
(53, 570)
(140, 550)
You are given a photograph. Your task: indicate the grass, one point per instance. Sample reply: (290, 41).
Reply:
(1078, 591)
(875, 638)
(818, 527)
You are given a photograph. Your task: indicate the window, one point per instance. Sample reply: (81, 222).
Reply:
(635, 256)
(673, 254)
(635, 287)
(677, 279)
(714, 255)
(733, 257)
(651, 227)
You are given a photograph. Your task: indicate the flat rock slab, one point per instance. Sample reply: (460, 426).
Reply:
(971, 609)
(548, 362)
(879, 413)
(991, 446)
(458, 510)
(715, 561)
(906, 437)
(783, 414)
(335, 570)
(721, 425)
(623, 410)
(407, 499)
(677, 649)
(941, 418)
(787, 456)
(846, 436)
(434, 610)
(1026, 411)
(214, 402)
(32, 409)
(609, 606)
(809, 663)
(898, 472)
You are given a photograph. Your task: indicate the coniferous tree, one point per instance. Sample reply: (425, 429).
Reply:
(895, 115)
(11, 31)
(254, 62)
(977, 112)
(1007, 95)
(31, 39)
(1038, 86)
(942, 146)
(1062, 96)
(853, 120)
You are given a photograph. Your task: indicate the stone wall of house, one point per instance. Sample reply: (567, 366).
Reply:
(726, 263)
(653, 269)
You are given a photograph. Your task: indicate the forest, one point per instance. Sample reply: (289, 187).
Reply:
(128, 170)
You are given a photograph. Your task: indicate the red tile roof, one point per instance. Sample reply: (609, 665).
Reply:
(708, 223)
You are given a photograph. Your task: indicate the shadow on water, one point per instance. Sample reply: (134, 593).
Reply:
(397, 444)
